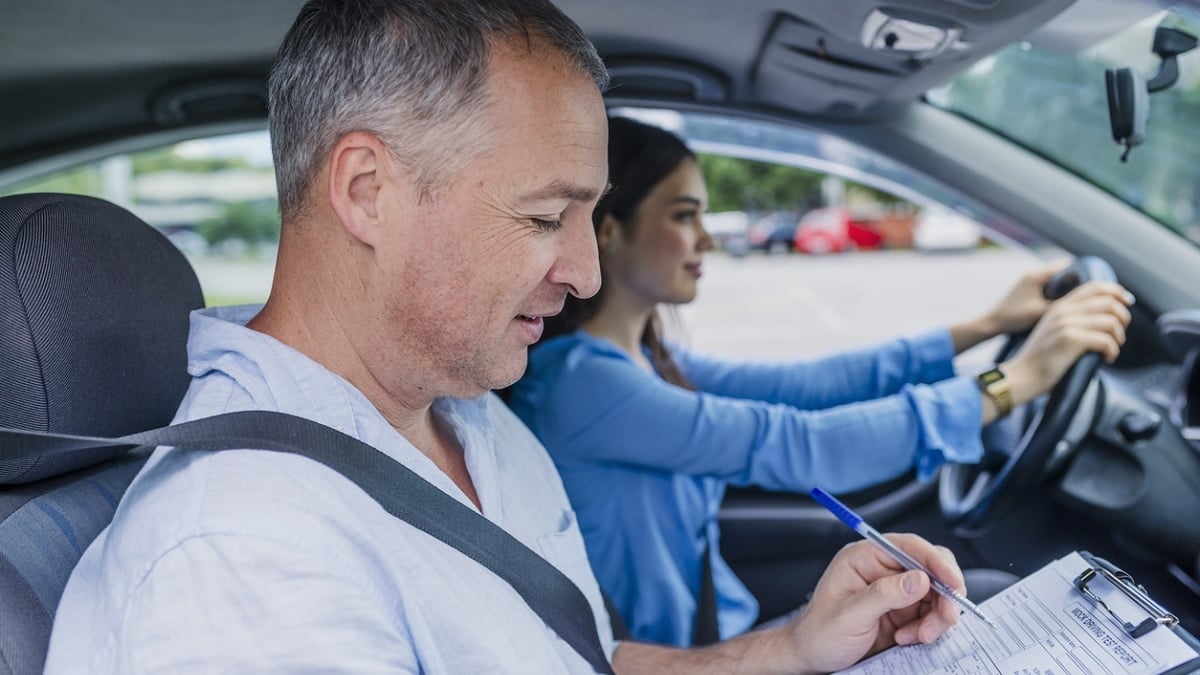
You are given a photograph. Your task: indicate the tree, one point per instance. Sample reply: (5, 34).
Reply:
(167, 159)
(252, 222)
(736, 184)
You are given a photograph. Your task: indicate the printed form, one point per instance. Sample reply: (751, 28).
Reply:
(1046, 628)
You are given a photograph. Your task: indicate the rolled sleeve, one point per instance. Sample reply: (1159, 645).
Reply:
(949, 416)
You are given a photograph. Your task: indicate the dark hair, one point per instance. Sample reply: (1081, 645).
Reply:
(412, 72)
(640, 156)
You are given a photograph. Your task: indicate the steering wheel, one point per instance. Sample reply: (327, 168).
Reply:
(973, 496)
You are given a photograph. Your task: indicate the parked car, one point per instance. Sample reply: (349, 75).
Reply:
(1004, 107)
(728, 230)
(832, 229)
(774, 233)
(944, 229)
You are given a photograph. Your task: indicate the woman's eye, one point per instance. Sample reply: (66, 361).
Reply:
(686, 216)
(546, 225)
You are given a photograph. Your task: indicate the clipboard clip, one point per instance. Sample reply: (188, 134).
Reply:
(1157, 615)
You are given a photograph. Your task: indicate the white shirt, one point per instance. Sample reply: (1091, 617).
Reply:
(248, 560)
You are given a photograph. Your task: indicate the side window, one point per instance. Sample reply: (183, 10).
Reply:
(825, 247)
(214, 198)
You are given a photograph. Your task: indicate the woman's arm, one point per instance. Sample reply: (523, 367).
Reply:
(839, 379)
(606, 409)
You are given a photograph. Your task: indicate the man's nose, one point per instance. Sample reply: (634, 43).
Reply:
(578, 263)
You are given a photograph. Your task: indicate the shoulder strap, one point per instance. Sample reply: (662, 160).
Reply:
(704, 631)
(396, 488)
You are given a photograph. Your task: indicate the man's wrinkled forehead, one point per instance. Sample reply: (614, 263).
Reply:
(563, 189)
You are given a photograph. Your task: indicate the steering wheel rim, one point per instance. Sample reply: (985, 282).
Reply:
(972, 503)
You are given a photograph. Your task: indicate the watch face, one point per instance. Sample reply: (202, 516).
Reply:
(991, 376)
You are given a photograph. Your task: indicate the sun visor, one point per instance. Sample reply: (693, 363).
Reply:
(846, 68)
(811, 70)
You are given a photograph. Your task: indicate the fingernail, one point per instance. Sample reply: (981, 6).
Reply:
(909, 582)
(1129, 299)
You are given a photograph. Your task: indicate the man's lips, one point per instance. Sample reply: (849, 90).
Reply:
(531, 327)
(541, 314)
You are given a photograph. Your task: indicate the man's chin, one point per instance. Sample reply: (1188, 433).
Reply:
(506, 374)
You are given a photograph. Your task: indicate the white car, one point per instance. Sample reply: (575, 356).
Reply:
(943, 229)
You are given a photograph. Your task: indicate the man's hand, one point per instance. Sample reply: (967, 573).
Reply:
(1092, 317)
(863, 603)
(866, 602)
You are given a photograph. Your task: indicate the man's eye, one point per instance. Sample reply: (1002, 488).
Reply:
(546, 225)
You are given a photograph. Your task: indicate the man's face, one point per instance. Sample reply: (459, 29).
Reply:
(484, 260)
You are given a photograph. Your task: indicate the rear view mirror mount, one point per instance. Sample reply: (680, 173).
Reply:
(1129, 92)
(1128, 107)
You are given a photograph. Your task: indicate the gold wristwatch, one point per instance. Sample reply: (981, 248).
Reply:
(993, 383)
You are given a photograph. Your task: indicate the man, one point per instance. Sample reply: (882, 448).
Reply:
(437, 165)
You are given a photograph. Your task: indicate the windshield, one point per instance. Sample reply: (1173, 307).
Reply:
(1055, 104)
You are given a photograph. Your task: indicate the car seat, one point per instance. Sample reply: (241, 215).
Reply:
(94, 308)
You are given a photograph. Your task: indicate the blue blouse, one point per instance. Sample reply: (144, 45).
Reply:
(645, 463)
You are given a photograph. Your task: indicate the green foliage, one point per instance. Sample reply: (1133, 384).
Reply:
(82, 180)
(166, 159)
(739, 184)
(252, 222)
(736, 184)
(1055, 103)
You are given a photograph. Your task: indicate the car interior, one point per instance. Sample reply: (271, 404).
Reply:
(94, 303)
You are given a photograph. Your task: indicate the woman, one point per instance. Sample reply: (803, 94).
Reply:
(646, 437)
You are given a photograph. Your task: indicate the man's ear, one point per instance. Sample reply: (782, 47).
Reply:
(358, 175)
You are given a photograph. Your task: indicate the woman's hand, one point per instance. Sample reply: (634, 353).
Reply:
(866, 602)
(1024, 304)
(1026, 301)
(1092, 317)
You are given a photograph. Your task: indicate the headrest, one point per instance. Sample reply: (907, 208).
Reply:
(94, 308)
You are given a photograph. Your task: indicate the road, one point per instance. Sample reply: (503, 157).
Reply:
(781, 307)
(778, 307)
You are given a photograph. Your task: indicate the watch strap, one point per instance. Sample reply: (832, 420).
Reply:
(995, 386)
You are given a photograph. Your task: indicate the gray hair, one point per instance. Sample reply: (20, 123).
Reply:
(412, 72)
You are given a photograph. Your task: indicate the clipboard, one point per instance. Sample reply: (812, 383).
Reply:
(1153, 616)
(1077, 614)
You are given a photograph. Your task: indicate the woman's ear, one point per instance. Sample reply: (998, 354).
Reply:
(609, 237)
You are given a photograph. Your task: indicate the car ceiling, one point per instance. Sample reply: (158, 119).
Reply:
(79, 72)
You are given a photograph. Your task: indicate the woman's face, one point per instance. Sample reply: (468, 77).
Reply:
(660, 260)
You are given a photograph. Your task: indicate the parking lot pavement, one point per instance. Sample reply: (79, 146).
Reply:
(784, 307)
(765, 307)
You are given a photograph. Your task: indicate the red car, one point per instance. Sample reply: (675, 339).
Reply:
(832, 230)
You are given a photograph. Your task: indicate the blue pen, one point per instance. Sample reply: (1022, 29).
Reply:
(860, 526)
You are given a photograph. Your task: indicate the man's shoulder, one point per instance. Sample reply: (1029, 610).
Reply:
(184, 494)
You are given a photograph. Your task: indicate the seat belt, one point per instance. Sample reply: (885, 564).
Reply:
(705, 630)
(396, 488)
